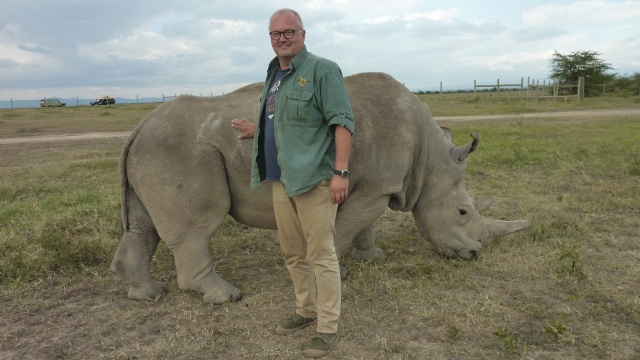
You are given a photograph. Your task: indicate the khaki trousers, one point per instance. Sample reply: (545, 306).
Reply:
(306, 228)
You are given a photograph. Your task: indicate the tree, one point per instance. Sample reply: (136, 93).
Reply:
(566, 69)
(625, 85)
(636, 79)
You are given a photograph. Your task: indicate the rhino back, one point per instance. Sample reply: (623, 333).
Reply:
(186, 150)
(250, 207)
(389, 149)
(163, 165)
(187, 145)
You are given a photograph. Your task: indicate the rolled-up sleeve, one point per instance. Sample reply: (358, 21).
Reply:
(335, 101)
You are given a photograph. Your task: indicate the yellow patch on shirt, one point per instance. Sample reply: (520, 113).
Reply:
(302, 81)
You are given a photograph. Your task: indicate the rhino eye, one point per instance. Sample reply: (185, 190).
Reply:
(462, 212)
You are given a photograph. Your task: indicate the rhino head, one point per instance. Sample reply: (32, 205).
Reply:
(445, 213)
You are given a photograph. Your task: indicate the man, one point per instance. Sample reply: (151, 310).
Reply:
(302, 145)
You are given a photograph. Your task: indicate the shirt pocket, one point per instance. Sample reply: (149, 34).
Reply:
(301, 109)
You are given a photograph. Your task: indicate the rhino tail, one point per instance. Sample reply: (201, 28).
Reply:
(124, 178)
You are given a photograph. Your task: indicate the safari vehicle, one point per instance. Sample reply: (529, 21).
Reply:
(51, 103)
(104, 100)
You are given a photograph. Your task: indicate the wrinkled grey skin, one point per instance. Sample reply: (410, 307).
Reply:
(183, 170)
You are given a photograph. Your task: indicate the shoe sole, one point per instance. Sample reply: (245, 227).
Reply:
(313, 353)
(283, 331)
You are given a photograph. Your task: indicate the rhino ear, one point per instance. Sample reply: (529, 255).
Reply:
(482, 203)
(448, 134)
(461, 152)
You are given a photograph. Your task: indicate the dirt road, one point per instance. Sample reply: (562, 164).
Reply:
(67, 137)
(577, 113)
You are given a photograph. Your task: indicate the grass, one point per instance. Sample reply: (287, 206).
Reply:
(59, 206)
(566, 288)
(70, 120)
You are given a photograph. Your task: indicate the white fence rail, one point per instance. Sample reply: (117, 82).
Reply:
(537, 91)
(555, 89)
(497, 86)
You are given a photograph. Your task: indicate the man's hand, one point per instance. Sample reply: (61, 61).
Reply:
(246, 127)
(339, 189)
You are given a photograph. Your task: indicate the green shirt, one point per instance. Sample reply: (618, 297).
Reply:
(311, 99)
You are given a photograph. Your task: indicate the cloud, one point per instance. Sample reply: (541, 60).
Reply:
(438, 16)
(581, 12)
(72, 46)
(34, 49)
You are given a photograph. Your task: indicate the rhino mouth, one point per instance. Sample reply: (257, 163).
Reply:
(469, 249)
(465, 254)
(468, 254)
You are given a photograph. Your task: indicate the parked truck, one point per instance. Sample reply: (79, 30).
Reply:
(104, 100)
(51, 103)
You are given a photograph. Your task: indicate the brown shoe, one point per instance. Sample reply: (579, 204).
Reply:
(293, 324)
(320, 345)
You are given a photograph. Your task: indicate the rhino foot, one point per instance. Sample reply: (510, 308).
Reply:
(344, 272)
(371, 254)
(150, 291)
(226, 294)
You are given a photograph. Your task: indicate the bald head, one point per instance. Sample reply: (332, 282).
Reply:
(292, 12)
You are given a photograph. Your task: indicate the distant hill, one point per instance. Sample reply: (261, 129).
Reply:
(21, 104)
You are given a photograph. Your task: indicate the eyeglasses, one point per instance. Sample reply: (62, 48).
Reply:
(288, 34)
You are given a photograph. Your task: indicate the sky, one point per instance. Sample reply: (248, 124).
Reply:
(130, 48)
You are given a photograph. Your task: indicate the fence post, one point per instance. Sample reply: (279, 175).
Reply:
(521, 86)
(580, 89)
(474, 88)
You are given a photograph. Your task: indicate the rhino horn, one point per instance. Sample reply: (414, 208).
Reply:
(497, 228)
(461, 152)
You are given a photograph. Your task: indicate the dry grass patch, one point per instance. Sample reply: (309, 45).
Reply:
(71, 120)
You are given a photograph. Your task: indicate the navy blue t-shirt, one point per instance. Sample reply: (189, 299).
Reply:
(270, 149)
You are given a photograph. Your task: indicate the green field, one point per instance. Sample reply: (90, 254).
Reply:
(565, 288)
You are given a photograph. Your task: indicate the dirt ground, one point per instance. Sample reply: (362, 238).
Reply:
(92, 318)
(448, 119)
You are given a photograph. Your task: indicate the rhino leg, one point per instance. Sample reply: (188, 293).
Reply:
(132, 263)
(133, 258)
(197, 211)
(195, 269)
(364, 247)
(354, 228)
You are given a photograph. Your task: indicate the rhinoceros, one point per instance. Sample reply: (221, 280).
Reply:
(183, 170)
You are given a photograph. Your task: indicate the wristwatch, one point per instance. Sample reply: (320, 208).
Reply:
(343, 173)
